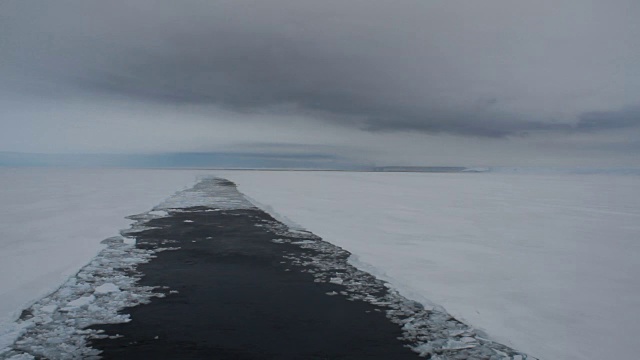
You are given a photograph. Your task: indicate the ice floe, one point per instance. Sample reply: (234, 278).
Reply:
(55, 327)
(431, 333)
(210, 192)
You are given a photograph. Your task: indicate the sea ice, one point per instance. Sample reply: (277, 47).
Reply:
(544, 263)
(106, 288)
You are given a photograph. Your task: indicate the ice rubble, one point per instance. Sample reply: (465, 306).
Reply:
(217, 193)
(430, 332)
(55, 326)
(525, 258)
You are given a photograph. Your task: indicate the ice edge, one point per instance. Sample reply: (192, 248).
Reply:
(55, 326)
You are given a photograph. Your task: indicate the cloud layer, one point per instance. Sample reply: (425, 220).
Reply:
(492, 69)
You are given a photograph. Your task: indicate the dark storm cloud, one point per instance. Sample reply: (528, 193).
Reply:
(375, 65)
(608, 120)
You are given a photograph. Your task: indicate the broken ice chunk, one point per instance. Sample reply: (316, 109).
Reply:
(21, 357)
(81, 301)
(48, 308)
(162, 213)
(106, 288)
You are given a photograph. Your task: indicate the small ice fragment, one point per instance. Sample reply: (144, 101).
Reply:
(107, 288)
(129, 240)
(303, 242)
(423, 349)
(21, 357)
(81, 301)
(112, 240)
(49, 308)
(335, 280)
(298, 231)
(332, 293)
(188, 221)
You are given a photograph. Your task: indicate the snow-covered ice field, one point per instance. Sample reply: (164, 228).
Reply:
(544, 263)
(548, 264)
(52, 222)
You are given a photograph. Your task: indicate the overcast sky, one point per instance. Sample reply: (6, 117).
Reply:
(478, 83)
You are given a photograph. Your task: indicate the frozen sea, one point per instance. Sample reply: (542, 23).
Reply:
(545, 263)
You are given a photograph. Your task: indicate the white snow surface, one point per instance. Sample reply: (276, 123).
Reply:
(547, 264)
(52, 222)
(544, 263)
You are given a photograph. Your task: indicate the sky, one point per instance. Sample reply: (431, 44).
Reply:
(329, 83)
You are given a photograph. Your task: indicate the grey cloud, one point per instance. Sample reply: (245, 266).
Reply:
(374, 65)
(254, 79)
(608, 120)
